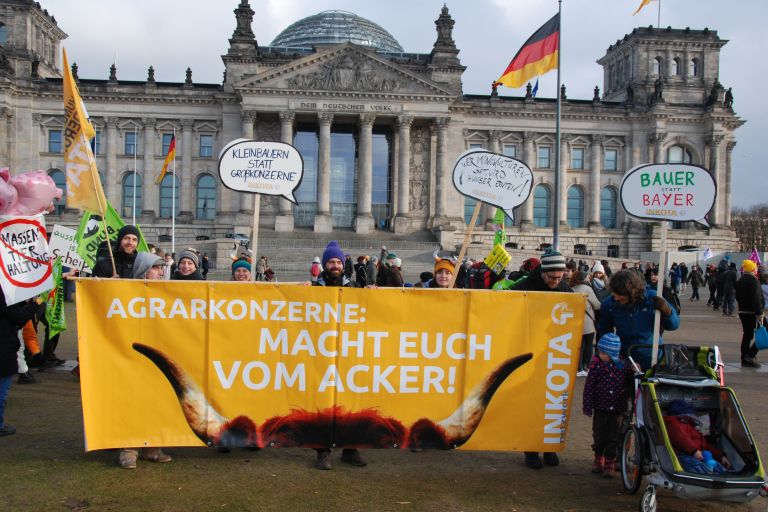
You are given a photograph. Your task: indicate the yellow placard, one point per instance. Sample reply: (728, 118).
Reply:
(498, 259)
(239, 364)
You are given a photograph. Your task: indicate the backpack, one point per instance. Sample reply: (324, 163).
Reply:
(482, 277)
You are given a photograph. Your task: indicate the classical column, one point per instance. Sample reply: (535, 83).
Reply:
(114, 188)
(187, 186)
(728, 179)
(442, 180)
(529, 155)
(151, 193)
(594, 181)
(364, 219)
(716, 213)
(284, 217)
(657, 140)
(404, 179)
(4, 142)
(489, 210)
(323, 219)
(246, 200)
(564, 139)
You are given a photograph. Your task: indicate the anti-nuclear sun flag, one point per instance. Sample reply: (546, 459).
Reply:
(84, 189)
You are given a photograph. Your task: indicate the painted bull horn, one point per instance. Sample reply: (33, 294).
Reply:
(211, 427)
(456, 429)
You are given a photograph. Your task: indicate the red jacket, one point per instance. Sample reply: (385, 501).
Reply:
(686, 438)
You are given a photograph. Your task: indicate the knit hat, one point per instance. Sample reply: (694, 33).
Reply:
(552, 260)
(611, 345)
(749, 266)
(128, 229)
(316, 259)
(581, 276)
(332, 251)
(530, 264)
(598, 267)
(145, 261)
(445, 264)
(190, 256)
(678, 407)
(241, 263)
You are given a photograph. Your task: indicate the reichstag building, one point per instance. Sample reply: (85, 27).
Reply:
(379, 129)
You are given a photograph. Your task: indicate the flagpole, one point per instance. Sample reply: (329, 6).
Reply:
(102, 209)
(173, 201)
(135, 138)
(558, 176)
(658, 19)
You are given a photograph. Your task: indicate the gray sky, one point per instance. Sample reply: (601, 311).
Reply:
(172, 35)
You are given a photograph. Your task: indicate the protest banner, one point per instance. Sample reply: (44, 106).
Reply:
(54, 310)
(90, 234)
(498, 259)
(63, 245)
(232, 364)
(24, 258)
(270, 168)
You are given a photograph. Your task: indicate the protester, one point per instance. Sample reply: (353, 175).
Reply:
(187, 267)
(241, 270)
(261, 268)
(722, 268)
(729, 290)
(666, 291)
(205, 264)
(607, 268)
(349, 268)
(424, 279)
(514, 277)
(444, 270)
(124, 252)
(547, 277)
(751, 307)
(315, 269)
(697, 281)
(710, 280)
(675, 277)
(605, 399)
(580, 284)
(333, 275)
(630, 312)
(169, 264)
(389, 275)
(370, 271)
(684, 272)
(361, 272)
(597, 282)
(570, 268)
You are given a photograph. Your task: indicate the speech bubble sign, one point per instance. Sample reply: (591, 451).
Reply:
(268, 168)
(502, 181)
(673, 192)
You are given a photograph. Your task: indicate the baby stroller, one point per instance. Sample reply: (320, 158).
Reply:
(692, 374)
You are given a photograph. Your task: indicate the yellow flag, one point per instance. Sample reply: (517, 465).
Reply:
(643, 3)
(84, 189)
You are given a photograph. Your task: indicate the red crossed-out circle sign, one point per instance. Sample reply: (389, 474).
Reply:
(49, 268)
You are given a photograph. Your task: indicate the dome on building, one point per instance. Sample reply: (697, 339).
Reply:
(332, 27)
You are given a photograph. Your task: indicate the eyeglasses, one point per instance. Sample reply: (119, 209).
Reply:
(552, 277)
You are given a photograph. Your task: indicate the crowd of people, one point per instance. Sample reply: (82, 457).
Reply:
(620, 310)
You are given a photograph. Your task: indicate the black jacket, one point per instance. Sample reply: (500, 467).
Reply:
(123, 262)
(194, 276)
(12, 318)
(749, 295)
(534, 283)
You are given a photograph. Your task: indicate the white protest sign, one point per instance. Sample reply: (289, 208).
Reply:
(25, 260)
(63, 244)
(674, 192)
(268, 168)
(502, 181)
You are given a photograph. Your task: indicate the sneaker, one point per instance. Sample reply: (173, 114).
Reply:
(26, 378)
(532, 460)
(352, 456)
(551, 459)
(597, 465)
(128, 458)
(749, 362)
(323, 459)
(581, 373)
(155, 455)
(609, 468)
(7, 430)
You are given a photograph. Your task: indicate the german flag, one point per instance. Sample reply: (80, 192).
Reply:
(168, 159)
(537, 56)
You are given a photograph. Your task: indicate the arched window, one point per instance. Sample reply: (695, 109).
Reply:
(541, 206)
(608, 208)
(61, 182)
(693, 67)
(168, 196)
(575, 207)
(657, 66)
(676, 68)
(206, 198)
(3, 33)
(128, 195)
(678, 155)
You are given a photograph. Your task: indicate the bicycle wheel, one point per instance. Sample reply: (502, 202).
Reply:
(631, 460)
(648, 502)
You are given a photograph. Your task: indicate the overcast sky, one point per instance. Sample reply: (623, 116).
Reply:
(172, 35)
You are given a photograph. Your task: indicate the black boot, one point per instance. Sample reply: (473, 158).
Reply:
(26, 378)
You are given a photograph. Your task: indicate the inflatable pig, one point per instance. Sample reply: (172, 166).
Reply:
(27, 194)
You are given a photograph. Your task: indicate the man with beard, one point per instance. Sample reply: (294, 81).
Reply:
(333, 275)
(124, 251)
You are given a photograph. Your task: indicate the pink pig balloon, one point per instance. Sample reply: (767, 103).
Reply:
(27, 194)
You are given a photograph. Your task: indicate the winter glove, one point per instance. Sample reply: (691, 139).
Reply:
(662, 305)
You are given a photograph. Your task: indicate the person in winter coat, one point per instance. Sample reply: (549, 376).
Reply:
(722, 268)
(12, 318)
(361, 274)
(598, 282)
(749, 295)
(675, 276)
(187, 269)
(547, 277)
(580, 284)
(514, 277)
(729, 290)
(349, 268)
(697, 281)
(124, 251)
(370, 271)
(333, 275)
(684, 272)
(315, 269)
(444, 269)
(261, 268)
(630, 311)
(389, 275)
(605, 399)
(686, 437)
(710, 279)
(241, 270)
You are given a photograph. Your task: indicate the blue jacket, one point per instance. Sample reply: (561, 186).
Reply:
(634, 324)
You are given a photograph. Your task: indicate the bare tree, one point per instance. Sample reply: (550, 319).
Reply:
(751, 226)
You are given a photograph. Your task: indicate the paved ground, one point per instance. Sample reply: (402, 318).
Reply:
(44, 467)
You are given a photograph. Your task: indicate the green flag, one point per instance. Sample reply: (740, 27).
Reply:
(54, 311)
(90, 234)
(498, 225)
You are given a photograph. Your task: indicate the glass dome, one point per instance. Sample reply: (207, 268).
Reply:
(332, 27)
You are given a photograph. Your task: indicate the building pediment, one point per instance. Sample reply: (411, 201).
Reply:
(344, 68)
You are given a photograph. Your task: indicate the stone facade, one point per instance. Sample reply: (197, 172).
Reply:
(661, 102)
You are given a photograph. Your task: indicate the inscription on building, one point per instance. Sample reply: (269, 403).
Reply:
(337, 106)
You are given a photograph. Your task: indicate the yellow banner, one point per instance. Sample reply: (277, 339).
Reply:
(497, 259)
(242, 364)
(84, 190)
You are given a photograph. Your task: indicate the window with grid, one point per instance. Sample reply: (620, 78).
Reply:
(130, 143)
(168, 196)
(611, 160)
(608, 208)
(206, 145)
(509, 150)
(541, 206)
(61, 182)
(543, 157)
(129, 193)
(575, 207)
(206, 198)
(54, 141)
(167, 137)
(577, 158)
